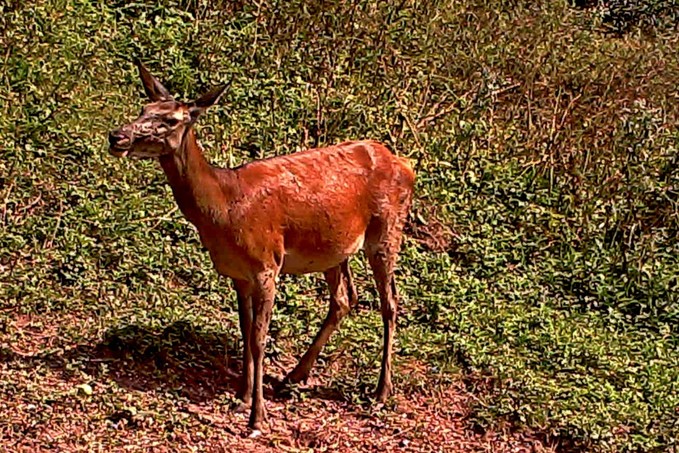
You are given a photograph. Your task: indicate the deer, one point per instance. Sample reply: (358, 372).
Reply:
(308, 211)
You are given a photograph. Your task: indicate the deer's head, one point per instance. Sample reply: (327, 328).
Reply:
(162, 124)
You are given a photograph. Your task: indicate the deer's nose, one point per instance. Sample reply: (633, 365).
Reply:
(118, 138)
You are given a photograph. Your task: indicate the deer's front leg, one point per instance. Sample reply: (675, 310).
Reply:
(244, 293)
(262, 303)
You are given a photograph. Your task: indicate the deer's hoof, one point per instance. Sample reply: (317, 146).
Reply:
(383, 392)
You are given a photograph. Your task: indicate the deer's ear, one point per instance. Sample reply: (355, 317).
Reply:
(200, 105)
(154, 89)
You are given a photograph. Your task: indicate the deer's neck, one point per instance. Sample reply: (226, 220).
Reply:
(195, 183)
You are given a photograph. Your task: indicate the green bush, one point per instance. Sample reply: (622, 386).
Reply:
(650, 15)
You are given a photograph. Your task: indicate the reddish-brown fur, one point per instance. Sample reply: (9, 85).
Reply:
(306, 212)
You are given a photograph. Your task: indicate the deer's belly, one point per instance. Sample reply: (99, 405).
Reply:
(302, 261)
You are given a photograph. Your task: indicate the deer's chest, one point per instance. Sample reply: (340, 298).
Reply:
(227, 257)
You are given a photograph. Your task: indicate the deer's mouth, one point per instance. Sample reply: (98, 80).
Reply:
(119, 151)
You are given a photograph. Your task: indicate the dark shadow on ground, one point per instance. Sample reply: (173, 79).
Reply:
(181, 358)
(362, 395)
(192, 362)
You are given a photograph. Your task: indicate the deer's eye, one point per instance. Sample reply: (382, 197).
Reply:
(172, 122)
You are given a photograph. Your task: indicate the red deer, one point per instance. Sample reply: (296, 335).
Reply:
(305, 212)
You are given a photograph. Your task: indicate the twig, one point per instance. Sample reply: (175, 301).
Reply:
(160, 218)
(505, 89)
(400, 433)
(208, 420)
(4, 204)
(31, 204)
(48, 243)
(431, 116)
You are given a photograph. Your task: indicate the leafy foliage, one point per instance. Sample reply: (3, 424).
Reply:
(650, 15)
(547, 146)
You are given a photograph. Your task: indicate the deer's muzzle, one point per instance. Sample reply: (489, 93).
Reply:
(119, 143)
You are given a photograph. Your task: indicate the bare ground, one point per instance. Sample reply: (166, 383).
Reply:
(137, 390)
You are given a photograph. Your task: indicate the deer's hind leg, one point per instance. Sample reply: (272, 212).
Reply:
(383, 243)
(342, 298)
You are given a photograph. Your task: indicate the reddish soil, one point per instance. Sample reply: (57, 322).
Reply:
(127, 395)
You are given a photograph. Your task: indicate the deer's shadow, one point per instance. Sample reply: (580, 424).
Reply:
(197, 364)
